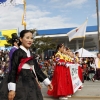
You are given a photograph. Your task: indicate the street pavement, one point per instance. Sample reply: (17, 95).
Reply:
(90, 91)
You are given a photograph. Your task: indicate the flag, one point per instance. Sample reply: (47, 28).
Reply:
(2, 1)
(12, 1)
(78, 32)
(17, 2)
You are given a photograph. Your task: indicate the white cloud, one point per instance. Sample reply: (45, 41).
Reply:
(36, 18)
(49, 23)
(32, 7)
(55, 0)
(75, 3)
(68, 3)
(10, 18)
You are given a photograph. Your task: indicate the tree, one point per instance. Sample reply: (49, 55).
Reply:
(34, 31)
(43, 44)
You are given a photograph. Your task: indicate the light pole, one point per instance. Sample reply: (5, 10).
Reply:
(97, 10)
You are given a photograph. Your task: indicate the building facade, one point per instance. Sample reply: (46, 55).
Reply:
(90, 43)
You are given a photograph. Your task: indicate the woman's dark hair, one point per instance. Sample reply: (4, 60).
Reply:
(23, 32)
(67, 48)
(76, 53)
(59, 46)
(14, 39)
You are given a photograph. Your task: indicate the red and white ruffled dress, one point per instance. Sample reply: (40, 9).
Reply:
(59, 80)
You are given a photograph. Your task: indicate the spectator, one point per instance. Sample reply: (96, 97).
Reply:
(92, 69)
(97, 63)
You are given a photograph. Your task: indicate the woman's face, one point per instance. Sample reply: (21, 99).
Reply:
(64, 51)
(68, 52)
(72, 55)
(61, 49)
(27, 40)
(91, 59)
(52, 57)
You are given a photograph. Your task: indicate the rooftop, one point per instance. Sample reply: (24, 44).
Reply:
(64, 30)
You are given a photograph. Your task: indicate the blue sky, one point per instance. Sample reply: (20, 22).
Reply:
(50, 14)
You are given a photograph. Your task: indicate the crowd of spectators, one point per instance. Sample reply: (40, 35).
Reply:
(4, 62)
(88, 67)
(47, 65)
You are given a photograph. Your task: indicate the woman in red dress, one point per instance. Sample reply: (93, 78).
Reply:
(59, 80)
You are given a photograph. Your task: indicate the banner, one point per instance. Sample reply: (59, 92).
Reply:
(76, 82)
(6, 33)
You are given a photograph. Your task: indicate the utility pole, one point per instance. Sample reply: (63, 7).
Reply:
(97, 10)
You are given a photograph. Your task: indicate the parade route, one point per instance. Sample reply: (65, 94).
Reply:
(90, 91)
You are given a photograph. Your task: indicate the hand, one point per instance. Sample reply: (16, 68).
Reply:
(11, 95)
(50, 87)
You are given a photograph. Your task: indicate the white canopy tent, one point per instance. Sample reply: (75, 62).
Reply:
(85, 53)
